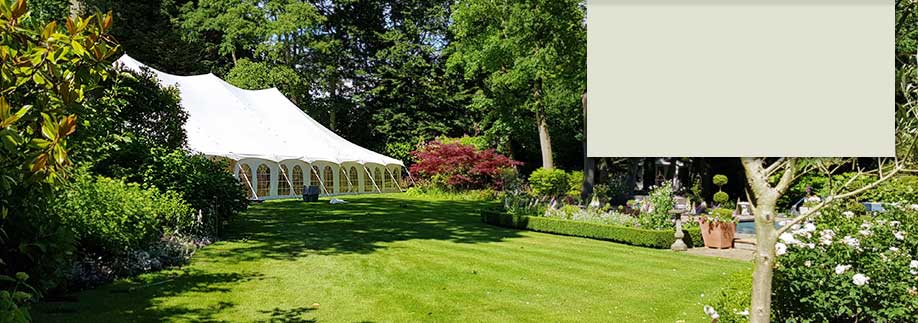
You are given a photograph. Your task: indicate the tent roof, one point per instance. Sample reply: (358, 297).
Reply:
(224, 120)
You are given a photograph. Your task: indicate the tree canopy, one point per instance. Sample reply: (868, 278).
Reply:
(386, 75)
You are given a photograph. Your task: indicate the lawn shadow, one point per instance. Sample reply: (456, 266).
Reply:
(294, 315)
(276, 230)
(135, 300)
(291, 229)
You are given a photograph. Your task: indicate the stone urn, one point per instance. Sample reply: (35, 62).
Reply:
(717, 235)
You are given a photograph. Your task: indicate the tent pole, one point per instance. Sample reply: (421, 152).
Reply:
(319, 179)
(371, 178)
(289, 182)
(394, 180)
(248, 183)
(348, 177)
(410, 177)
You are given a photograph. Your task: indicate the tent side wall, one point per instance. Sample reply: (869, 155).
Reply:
(265, 179)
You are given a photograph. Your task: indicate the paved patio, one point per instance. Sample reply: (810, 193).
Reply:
(734, 253)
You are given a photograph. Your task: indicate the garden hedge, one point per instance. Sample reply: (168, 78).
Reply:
(661, 239)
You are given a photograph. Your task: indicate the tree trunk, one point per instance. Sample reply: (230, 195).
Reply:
(766, 199)
(75, 8)
(333, 94)
(589, 165)
(764, 262)
(544, 138)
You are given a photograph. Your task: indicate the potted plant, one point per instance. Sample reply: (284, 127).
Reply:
(718, 228)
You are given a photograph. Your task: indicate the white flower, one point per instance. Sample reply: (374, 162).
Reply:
(809, 227)
(810, 245)
(780, 248)
(848, 214)
(900, 235)
(745, 312)
(841, 269)
(913, 267)
(808, 263)
(865, 232)
(866, 225)
(914, 207)
(853, 242)
(860, 279)
(711, 312)
(827, 236)
(895, 224)
(788, 238)
(893, 249)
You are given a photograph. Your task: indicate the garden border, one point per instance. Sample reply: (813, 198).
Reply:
(659, 239)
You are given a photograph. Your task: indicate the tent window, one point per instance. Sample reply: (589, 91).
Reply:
(297, 180)
(328, 178)
(343, 182)
(245, 179)
(387, 179)
(313, 177)
(230, 165)
(354, 179)
(264, 180)
(283, 187)
(377, 175)
(395, 174)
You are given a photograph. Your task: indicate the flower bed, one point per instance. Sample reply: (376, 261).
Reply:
(661, 239)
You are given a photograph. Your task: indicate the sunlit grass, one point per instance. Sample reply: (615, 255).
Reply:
(399, 258)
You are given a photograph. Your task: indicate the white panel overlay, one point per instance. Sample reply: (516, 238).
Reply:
(740, 78)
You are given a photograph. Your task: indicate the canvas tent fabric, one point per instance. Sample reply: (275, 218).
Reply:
(270, 141)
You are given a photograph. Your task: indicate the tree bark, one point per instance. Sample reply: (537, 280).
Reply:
(76, 8)
(766, 199)
(544, 137)
(764, 262)
(333, 94)
(589, 165)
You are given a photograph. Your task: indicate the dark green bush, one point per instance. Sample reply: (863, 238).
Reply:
(111, 217)
(204, 184)
(661, 239)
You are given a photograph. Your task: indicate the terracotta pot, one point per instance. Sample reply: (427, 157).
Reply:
(718, 235)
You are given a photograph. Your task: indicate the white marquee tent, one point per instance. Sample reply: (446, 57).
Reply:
(273, 146)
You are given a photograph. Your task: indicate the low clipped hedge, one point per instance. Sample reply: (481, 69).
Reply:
(660, 239)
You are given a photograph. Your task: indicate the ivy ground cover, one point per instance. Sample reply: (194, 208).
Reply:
(398, 258)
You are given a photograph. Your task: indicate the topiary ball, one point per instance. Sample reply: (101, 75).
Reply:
(720, 180)
(721, 197)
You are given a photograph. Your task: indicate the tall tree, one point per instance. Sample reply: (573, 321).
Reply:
(531, 55)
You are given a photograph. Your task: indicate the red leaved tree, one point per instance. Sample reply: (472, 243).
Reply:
(459, 166)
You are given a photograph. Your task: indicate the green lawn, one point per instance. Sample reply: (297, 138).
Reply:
(396, 258)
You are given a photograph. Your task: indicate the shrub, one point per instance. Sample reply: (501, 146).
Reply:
(437, 193)
(661, 198)
(575, 180)
(846, 267)
(721, 197)
(111, 217)
(549, 183)
(720, 180)
(480, 143)
(206, 185)
(660, 239)
(902, 189)
(732, 303)
(459, 166)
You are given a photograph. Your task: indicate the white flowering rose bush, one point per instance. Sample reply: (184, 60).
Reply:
(847, 266)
